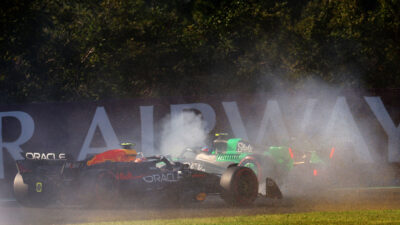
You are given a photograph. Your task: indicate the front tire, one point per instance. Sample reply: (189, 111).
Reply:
(99, 190)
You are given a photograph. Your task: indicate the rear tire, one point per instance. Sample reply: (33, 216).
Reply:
(106, 190)
(239, 186)
(21, 190)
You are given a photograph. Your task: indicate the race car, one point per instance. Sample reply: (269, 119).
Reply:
(119, 174)
(276, 162)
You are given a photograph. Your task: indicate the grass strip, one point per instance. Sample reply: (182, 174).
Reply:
(345, 217)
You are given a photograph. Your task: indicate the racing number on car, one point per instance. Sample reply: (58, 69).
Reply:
(39, 186)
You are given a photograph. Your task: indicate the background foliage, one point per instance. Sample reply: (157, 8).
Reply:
(52, 50)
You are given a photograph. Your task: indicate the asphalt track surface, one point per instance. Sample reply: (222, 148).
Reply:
(334, 200)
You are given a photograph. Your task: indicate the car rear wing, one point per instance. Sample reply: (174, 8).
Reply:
(49, 161)
(27, 166)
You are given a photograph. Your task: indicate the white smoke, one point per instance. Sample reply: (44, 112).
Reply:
(182, 130)
(320, 117)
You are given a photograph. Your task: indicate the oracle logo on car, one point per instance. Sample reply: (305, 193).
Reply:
(44, 156)
(160, 178)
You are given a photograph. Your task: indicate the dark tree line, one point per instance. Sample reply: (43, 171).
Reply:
(79, 49)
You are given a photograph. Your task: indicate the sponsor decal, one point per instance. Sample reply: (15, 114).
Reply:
(198, 175)
(243, 147)
(127, 176)
(160, 178)
(44, 156)
(196, 166)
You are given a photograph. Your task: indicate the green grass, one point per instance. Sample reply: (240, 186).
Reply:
(347, 217)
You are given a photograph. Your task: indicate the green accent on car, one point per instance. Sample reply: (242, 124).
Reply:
(252, 166)
(281, 155)
(234, 158)
(315, 159)
(232, 145)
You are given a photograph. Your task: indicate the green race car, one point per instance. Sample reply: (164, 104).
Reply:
(275, 162)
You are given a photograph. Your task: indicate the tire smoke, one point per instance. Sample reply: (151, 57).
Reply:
(185, 129)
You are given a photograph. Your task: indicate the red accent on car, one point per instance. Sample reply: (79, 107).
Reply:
(259, 172)
(332, 151)
(122, 176)
(127, 176)
(198, 175)
(115, 155)
(315, 172)
(291, 153)
(204, 150)
(22, 169)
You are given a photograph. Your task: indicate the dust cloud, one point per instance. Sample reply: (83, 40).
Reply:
(334, 124)
(318, 119)
(186, 129)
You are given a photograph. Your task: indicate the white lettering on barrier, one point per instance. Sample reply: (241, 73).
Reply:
(341, 116)
(27, 129)
(272, 118)
(101, 121)
(310, 105)
(342, 130)
(393, 132)
(147, 132)
(235, 120)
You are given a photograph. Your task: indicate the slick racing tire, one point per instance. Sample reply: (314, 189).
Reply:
(34, 194)
(239, 186)
(21, 190)
(106, 190)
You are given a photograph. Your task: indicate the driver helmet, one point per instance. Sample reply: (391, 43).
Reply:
(127, 145)
(205, 149)
(129, 151)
